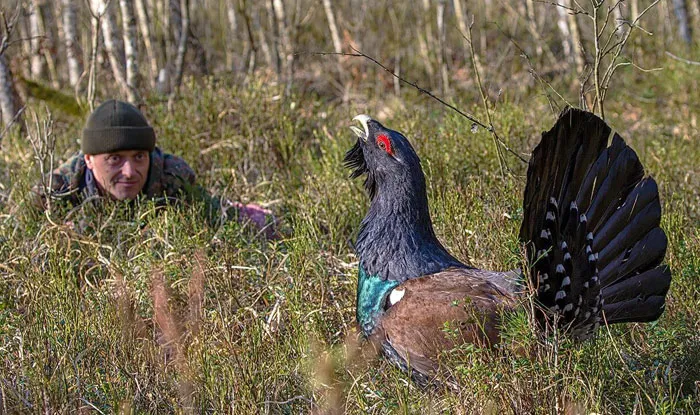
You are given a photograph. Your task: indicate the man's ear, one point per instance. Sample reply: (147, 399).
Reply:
(89, 162)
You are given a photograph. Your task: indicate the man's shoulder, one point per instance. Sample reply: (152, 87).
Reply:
(170, 174)
(67, 176)
(175, 166)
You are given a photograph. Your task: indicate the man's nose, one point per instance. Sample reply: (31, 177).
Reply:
(128, 169)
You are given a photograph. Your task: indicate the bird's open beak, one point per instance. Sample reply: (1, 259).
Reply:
(363, 119)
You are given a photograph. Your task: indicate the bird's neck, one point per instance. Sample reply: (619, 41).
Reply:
(396, 240)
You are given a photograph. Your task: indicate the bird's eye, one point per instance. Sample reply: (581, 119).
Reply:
(384, 143)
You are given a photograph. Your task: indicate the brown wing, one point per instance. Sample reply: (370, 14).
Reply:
(441, 311)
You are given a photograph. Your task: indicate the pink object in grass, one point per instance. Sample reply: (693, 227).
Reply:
(258, 215)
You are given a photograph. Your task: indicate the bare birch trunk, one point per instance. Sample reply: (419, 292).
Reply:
(684, 29)
(175, 20)
(147, 36)
(23, 26)
(265, 48)
(36, 33)
(444, 74)
(70, 34)
(429, 38)
(116, 58)
(96, 14)
(276, 47)
(579, 52)
(182, 44)
(232, 34)
(426, 42)
(286, 53)
(9, 102)
(251, 47)
(130, 34)
(335, 36)
(563, 24)
(619, 20)
(532, 23)
(462, 25)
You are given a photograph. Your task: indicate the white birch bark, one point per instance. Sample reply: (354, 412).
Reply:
(130, 34)
(70, 35)
(335, 36)
(286, 52)
(265, 48)
(36, 33)
(182, 44)
(232, 33)
(563, 25)
(8, 100)
(147, 36)
(579, 52)
(444, 74)
(116, 59)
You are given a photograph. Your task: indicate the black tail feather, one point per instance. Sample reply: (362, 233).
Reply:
(591, 221)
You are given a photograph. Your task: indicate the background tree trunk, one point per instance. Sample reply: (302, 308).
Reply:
(182, 44)
(563, 25)
(335, 36)
(9, 101)
(147, 36)
(579, 52)
(287, 53)
(444, 72)
(112, 48)
(251, 46)
(463, 28)
(36, 33)
(71, 41)
(232, 32)
(130, 34)
(684, 30)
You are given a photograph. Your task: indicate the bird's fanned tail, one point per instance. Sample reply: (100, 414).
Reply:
(591, 221)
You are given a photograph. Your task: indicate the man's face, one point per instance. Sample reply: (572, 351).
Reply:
(121, 174)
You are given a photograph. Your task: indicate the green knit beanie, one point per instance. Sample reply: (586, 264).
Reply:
(115, 126)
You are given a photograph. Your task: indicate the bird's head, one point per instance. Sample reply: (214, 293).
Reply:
(384, 155)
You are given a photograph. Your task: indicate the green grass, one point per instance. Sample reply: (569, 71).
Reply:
(165, 313)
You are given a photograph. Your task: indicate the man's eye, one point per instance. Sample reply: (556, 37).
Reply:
(113, 159)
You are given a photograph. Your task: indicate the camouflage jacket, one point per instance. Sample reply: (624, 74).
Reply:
(170, 178)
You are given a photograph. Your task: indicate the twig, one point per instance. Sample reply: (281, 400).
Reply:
(296, 398)
(535, 74)
(678, 58)
(11, 123)
(422, 90)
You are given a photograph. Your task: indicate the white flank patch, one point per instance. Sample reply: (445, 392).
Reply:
(396, 295)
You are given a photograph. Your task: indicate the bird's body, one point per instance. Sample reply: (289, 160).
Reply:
(591, 225)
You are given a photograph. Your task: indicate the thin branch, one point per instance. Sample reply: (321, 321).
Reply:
(471, 118)
(678, 58)
(532, 70)
(14, 120)
(570, 9)
(420, 89)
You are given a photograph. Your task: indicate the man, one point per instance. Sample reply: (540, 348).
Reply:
(119, 160)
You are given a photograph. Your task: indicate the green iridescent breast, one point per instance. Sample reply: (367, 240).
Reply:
(371, 295)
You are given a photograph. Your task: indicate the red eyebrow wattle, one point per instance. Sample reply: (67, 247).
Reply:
(387, 143)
